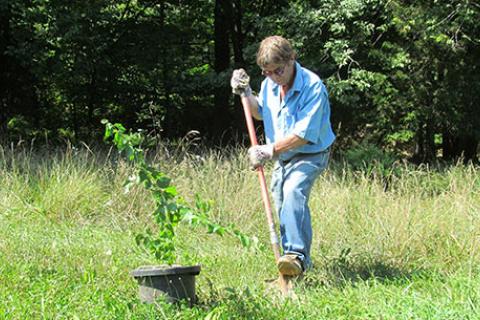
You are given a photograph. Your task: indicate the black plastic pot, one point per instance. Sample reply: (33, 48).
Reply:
(174, 282)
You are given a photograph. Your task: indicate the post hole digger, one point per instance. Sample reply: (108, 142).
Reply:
(284, 280)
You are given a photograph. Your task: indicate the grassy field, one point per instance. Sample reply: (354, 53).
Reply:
(67, 245)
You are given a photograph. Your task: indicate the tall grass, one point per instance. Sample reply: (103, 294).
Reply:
(408, 251)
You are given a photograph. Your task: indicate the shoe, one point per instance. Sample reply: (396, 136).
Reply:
(290, 265)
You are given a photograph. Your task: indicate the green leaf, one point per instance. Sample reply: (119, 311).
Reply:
(162, 182)
(171, 190)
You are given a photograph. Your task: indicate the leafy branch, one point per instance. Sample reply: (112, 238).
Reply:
(170, 208)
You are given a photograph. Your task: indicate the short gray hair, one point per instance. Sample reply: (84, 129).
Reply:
(274, 50)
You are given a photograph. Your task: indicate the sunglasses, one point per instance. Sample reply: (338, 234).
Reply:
(278, 72)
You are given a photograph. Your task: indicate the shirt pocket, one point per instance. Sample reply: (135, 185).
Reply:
(288, 121)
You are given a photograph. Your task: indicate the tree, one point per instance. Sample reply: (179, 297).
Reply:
(18, 100)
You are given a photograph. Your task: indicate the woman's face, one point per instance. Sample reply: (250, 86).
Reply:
(281, 74)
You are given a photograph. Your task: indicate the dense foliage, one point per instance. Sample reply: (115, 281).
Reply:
(402, 75)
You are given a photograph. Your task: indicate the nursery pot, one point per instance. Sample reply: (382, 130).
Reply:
(174, 282)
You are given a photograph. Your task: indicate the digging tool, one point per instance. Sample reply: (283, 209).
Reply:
(283, 280)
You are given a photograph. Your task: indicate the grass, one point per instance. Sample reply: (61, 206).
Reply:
(67, 245)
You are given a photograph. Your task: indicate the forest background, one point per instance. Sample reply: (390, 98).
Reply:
(403, 76)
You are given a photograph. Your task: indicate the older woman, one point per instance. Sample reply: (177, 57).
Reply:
(293, 104)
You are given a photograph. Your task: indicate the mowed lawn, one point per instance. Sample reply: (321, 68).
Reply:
(406, 247)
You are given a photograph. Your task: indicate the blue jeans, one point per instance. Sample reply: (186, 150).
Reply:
(291, 184)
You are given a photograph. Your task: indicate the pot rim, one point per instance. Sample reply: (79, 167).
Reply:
(165, 270)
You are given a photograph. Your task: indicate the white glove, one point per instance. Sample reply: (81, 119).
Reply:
(240, 83)
(260, 154)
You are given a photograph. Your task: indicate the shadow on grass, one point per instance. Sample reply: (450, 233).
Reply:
(346, 270)
(255, 303)
(338, 272)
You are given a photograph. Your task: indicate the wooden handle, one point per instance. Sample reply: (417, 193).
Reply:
(265, 198)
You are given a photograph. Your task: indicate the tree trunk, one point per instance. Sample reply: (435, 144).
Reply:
(447, 146)
(461, 146)
(157, 125)
(3, 71)
(92, 92)
(220, 116)
(237, 34)
(17, 92)
(419, 152)
(425, 150)
(468, 146)
(430, 150)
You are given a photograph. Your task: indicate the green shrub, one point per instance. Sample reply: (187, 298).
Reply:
(371, 160)
(170, 207)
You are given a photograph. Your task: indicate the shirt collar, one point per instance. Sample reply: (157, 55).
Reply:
(298, 82)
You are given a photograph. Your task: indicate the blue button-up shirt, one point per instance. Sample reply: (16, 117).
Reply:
(304, 111)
